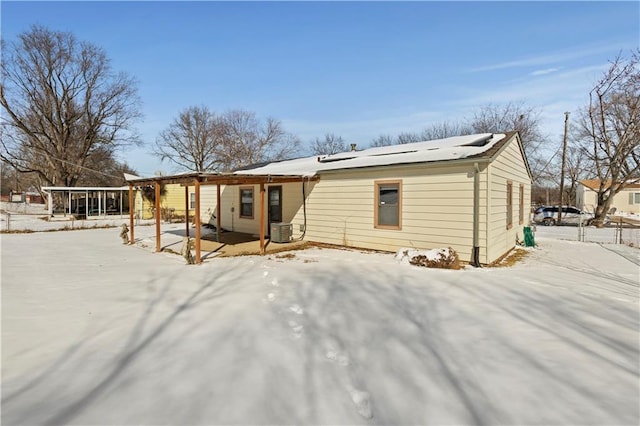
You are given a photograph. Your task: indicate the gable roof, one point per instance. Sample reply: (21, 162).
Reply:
(479, 146)
(594, 184)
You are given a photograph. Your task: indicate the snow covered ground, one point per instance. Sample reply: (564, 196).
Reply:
(31, 217)
(96, 332)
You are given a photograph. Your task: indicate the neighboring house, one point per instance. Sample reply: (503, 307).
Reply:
(460, 192)
(625, 201)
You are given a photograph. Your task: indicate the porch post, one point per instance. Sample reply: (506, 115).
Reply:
(186, 210)
(261, 218)
(218, 216)
(197, 222)
(131, 213)
(157, 207)
(50, 201)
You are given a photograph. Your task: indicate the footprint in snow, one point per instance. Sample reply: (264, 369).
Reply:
(296, 309)
(275, 282)
(271, 297)
(297, 329)
(343, 360)
(362, 401)
(265, 273)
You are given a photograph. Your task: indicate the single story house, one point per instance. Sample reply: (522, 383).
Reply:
(470, 193)
(625, 201)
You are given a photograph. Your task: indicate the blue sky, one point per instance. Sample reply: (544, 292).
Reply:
(356, 69)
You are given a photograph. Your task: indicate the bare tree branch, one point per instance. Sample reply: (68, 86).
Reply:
(609, 130)
(63, 105)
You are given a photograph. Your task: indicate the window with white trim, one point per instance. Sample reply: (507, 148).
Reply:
(192, 200)
(634, 198)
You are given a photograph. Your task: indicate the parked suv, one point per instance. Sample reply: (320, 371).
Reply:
(548, 215)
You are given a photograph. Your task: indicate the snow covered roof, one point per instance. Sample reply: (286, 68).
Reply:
(453, 148)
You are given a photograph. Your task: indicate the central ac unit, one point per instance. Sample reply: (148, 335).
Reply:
(281, 232)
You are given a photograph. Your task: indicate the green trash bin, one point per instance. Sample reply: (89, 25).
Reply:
(529, 241)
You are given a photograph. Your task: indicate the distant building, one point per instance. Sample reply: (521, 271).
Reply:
(625, 201)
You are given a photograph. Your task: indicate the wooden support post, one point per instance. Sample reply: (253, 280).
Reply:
(262, 218)
(186, 210)
(131, 240)
(197, 222)
(157, 207)
(219, 215)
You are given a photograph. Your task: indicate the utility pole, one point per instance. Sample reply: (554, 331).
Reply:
(564, 159)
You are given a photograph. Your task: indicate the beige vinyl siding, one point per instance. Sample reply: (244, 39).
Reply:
(620, 200)
(230, 198)
(509, 166)
(437, 208)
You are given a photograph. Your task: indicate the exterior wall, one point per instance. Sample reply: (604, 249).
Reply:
(587, 200)
(230, 200)
(142, 207)
(509, 166)
(174, 198)
(437, 209)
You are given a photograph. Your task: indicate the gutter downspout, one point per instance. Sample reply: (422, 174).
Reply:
(475, 252)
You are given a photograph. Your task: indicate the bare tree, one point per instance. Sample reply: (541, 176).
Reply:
(63, 105)
(246, 140)
(445, 129)
(400, 139)
(382, 140)
(517, 116)
(609, 128)
(192, 142)
(578, 166)
(494, 118)
(331, 144)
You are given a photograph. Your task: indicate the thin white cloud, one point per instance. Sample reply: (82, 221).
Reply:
(551, 92)
(552, 58)
(544, 71)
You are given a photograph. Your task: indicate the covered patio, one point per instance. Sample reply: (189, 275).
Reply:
(87, 202)
(220, 242)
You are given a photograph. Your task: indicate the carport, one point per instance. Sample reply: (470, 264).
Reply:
(196, 180)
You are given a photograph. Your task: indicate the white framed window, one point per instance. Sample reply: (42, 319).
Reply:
(192, 200)
(634, 198)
